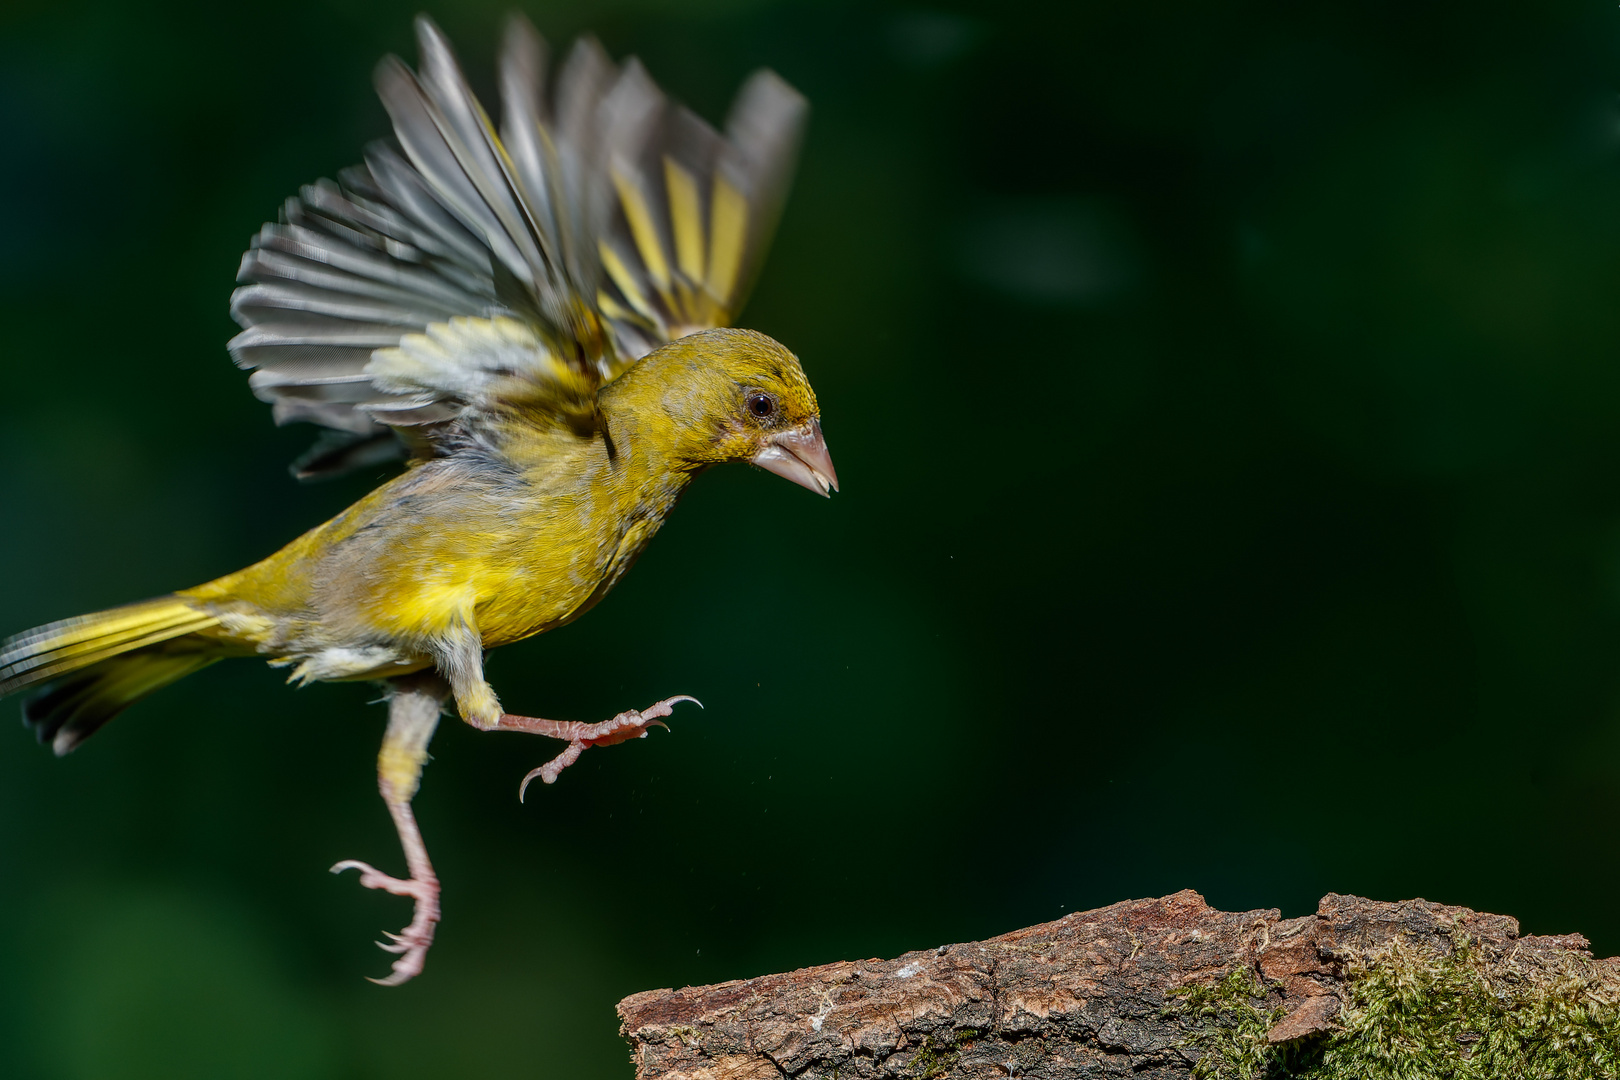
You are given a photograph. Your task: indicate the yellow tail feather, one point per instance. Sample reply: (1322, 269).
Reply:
(100, 664)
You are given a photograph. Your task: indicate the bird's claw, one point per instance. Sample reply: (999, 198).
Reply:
(372, 878)
(411, 944)
(630, 724)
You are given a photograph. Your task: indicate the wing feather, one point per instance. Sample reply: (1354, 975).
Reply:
(464, 269)
(418, 218)
(259, 305)
(695, 210)
(586, 78)
(534, 162)
(756, 161)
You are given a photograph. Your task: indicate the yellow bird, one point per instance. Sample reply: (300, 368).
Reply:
(533, 317)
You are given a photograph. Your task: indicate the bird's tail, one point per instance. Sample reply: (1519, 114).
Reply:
(91, 668)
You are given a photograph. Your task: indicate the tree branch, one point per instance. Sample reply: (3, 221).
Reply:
(1157, 988)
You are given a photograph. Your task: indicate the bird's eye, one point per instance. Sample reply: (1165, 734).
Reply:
(762, 406)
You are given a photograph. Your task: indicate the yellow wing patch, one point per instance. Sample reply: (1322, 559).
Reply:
(728, 235)
(685, 218)
(693, 286)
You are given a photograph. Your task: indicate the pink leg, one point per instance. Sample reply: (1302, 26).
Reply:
(412, 942)
(627, 725)
(413, 713)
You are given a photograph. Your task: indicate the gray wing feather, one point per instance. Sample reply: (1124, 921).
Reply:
(472, 138)
(534, 162)
(763, 132)
(407, 212)
(586, 78)
(441, 157)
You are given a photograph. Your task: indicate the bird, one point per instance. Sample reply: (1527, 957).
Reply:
(536, 318)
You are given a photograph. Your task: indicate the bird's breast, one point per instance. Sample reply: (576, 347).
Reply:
(511, 557)
(567, 580)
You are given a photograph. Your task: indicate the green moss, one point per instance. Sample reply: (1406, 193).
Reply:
(936, 1059)
(931, 1060)
(1415, 1016)
(1230, 1025)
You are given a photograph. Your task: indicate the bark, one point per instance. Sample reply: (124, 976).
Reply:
(1093, 994)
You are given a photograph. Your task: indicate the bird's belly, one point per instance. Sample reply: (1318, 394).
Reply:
(524, 607)
(546, 594)
(503, 605)
(349, 664)
(507, 579)
(506, 599)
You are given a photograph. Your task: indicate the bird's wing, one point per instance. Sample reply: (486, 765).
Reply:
(466, 267)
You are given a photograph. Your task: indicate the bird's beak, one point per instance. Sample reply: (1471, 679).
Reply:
(800, 455)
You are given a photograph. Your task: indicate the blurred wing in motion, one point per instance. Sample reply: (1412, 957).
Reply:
(466, 268)
(693, 211)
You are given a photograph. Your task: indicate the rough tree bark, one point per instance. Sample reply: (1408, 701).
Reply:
(1095, 994)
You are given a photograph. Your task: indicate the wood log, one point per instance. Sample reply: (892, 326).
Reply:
(1164, 988)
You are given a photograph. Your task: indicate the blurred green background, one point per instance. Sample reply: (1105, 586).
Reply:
(1227, 399)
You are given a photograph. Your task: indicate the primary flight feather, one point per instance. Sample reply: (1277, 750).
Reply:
(535, 318)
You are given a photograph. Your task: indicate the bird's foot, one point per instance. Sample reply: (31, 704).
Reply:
(411, 944)
(632, 724)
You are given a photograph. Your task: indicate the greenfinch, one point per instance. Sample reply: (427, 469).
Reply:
(535, 318)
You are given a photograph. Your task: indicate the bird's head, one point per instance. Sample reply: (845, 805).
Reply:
(737, 395)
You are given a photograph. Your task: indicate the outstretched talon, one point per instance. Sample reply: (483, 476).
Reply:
(632, 724)
(411, 944)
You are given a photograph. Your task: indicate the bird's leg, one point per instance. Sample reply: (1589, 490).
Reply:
(413, 712)
(631, 724)
(460, 655)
